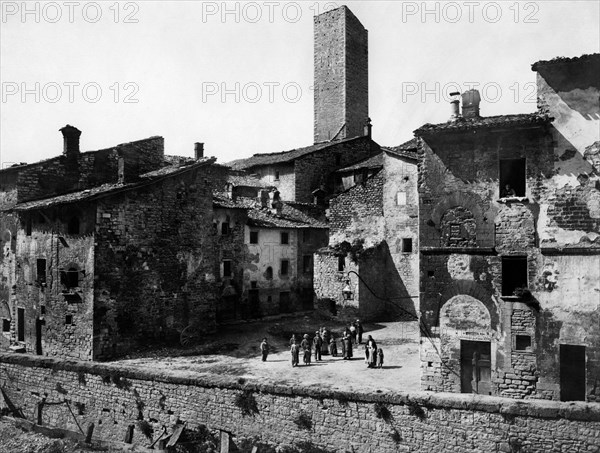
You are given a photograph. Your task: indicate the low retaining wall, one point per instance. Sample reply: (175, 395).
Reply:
(113, 398)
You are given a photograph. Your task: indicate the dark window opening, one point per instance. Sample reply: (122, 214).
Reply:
(253, 237)
(254, 284)
(522, 342)
(43, 309)
(514, 274)
(225, 228)
(227, 268)
(285, 237)
(512, 178)
(306, 235)
(41, 270)
(430, 273)
(28, 227)
(269, 273)
(276, 175)
(6, 325)
(285, 267)
(20, 324)
(358, 177)
(69, 319)
(307, 264)
(70, 278)
(407, 245)
(73, 225)
(341, 263)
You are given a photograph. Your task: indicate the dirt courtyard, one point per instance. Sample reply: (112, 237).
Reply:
(235, 351)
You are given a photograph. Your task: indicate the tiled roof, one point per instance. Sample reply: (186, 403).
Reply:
(406, 149)
(594, 57)
(285, 156)
(242, 180)
(500, 121)
(264, 217)
(109, 189)
(375, 161)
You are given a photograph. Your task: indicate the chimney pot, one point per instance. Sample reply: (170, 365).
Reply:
(70, 140)
(199, 150)
(470, 104)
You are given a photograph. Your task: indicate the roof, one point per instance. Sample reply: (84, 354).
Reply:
(375, 161)
(587, 58)
(500, 121)
(285, 156)
(407, 149)
(109, 189)
(246, 181)
(264, 217)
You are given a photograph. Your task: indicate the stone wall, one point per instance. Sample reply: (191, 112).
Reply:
(115, 398)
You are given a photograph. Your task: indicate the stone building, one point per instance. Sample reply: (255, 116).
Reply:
(373, 243)
(509, 232)
(114, 249)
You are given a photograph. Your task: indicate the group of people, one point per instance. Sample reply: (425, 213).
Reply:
(324, 342)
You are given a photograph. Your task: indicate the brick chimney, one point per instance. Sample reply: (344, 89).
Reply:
(199, 150)
(70, 140)
(470, 104)
(454, 106)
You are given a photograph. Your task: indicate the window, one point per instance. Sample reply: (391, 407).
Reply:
(5, 325)
(514, 274)
(522, 342)
(269, 273)
(431, 273)
(276, 175)
(307, 264)
(43, 309)
(69, 319)
(28, 227)
(512, 178)
(226, 268)
(341, 263)
(20, 324)
(73, 225)
(285, 237)
(225, 227)
(306, 236)
(253, 237)
(254, 284)
(41, 270)
(401, 198)
(70, 278)
(285, 267)
(407, 245)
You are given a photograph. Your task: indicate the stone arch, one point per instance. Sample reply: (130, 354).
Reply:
(5, 310)
(465, 312)
(475, 291)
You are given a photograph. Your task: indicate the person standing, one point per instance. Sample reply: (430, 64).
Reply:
(264, 348)
(305, 345)
(332, 347)
(372, 348)
(295, 350)
(359, 330)
(379, 363)
(343, 343)
(347, 342)
(325, 336)
(318, 344)
(353, 333)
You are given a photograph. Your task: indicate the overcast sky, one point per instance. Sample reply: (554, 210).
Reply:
(238, 75)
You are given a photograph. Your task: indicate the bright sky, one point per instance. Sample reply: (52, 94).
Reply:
(238, 75)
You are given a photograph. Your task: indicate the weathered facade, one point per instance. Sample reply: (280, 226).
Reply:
(509, 225)
(373, 233)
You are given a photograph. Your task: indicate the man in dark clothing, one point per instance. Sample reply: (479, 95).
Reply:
(264, 348)
(359, 330)
(317, 343)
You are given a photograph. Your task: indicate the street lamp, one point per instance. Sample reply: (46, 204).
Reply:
(347, 291)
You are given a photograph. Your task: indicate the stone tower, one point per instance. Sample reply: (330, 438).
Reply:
(341, 76)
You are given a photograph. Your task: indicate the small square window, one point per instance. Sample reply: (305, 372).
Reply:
(407, 245)
(5, 325)
(69, 319)
(341, 263)
(285, 267)
(285, 237)
(253, 237)
(401, 198)
(430, 273)
(522, 342)
(226, 268)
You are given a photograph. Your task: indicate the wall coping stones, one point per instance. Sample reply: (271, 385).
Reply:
(576, 410)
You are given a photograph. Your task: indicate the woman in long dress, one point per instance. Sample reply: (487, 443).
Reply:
(372, 348)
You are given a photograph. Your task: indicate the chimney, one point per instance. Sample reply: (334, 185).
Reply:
(70, 140)
(264, 198)
(368, 128)
(454, 106)
(121, 170)
(199, 150)
(470, 104)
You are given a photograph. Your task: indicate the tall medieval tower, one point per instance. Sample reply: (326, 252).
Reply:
(341, 76)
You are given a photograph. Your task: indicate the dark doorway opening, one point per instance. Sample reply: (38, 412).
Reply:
(284, 302)
(20, 324)
(572, 373)
(475, 367)
(254, 301)
(38, 335)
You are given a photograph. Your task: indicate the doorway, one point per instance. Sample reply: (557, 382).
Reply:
(572, 373)
(475, 367)
(38, 335)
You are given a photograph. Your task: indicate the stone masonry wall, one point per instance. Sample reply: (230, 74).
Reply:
(115, 398)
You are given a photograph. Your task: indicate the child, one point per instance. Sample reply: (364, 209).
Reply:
(332, 348)
(295, 350)
(264, 348)
(379, 363)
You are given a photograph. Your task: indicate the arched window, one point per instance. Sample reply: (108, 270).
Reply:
(269, 273)
(73, 225)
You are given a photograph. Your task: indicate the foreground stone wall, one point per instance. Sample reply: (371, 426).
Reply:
(114, 398)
